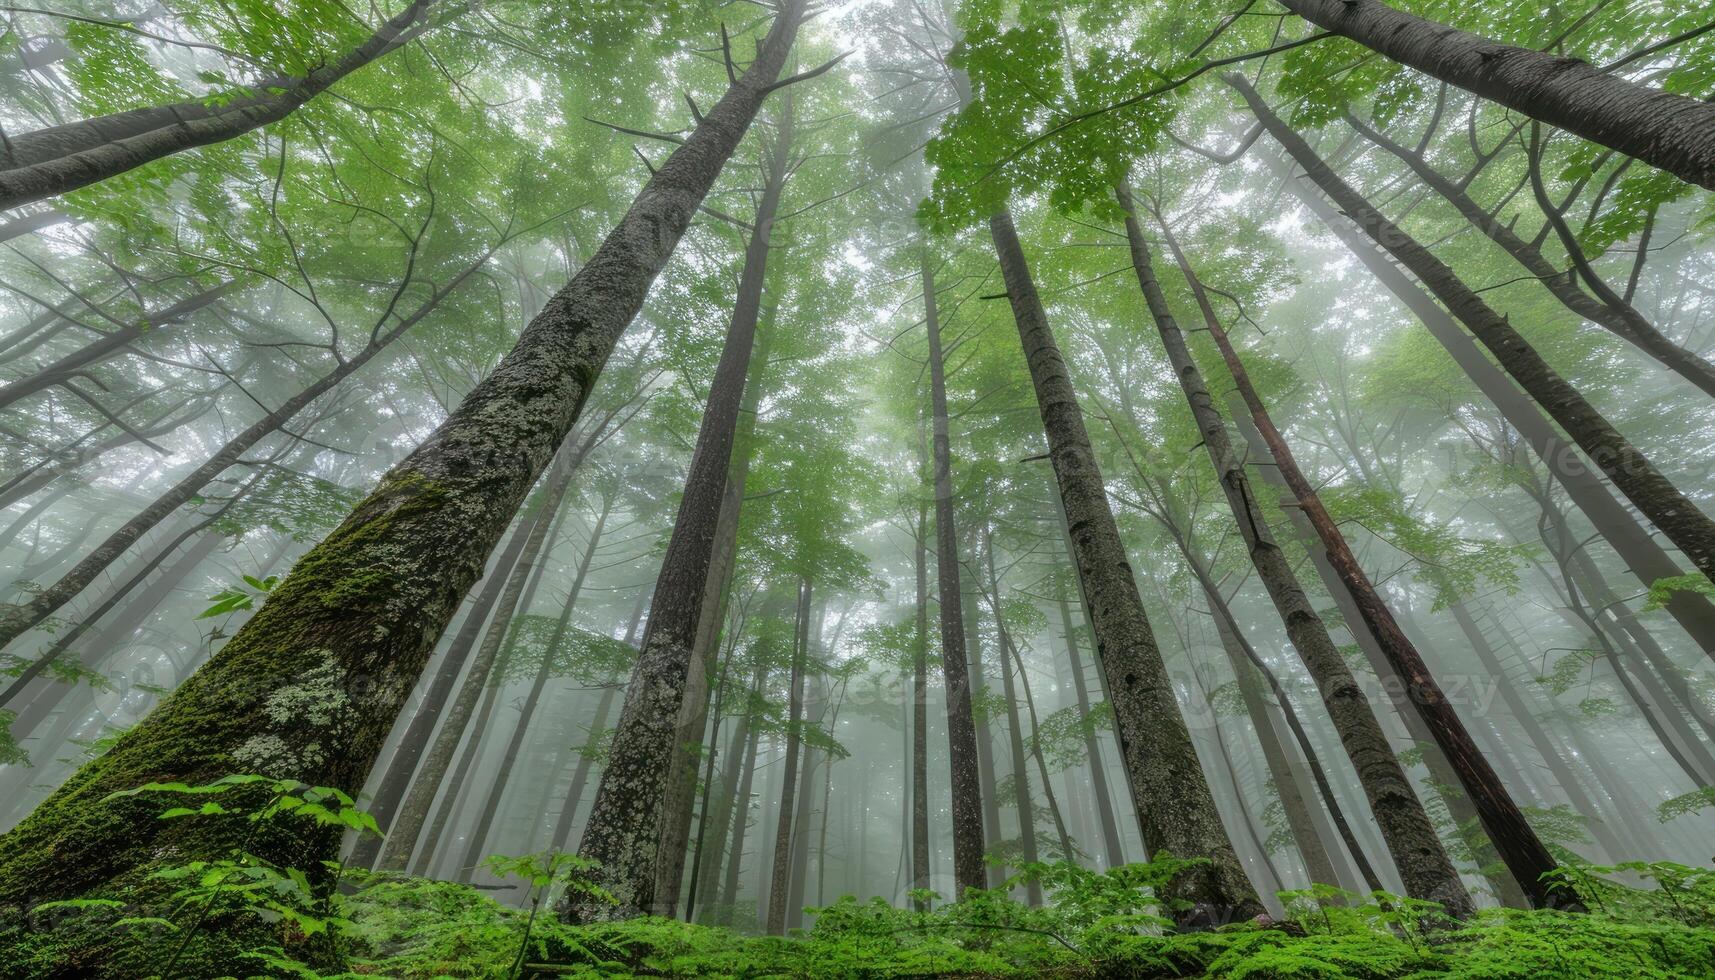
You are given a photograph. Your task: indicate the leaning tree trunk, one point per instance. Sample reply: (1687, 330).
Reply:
(1512, 835)
(74, 364)
(1675, 514)
(1112, 852)
(1610, 311)
(18, 619)
(363, 610)
(63, 158)
(418, 801)
(962, 752)
(1673, 132)
(478, 837)
(1176, 808)
(624, 829)
(1423, 864)
(1623, 532)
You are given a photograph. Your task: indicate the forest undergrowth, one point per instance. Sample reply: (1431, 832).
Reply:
(244, 916)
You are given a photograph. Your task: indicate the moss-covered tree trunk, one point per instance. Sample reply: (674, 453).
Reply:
(1175, 806)
(353, 624)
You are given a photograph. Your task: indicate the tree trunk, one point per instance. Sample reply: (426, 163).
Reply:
(694, 710)
(74, 364)
(497, 788)
(624, 830)
(1629, 539)
(713, 850)
(1423, 864)
(1621, 318)
(16, 620)
(1175, 806)
(920, 716)
(1676, 515)
(1672, 132)
(1113, 853)
(369, 603)
(416, 804)
(1022, 804)
(780, 869)
(984, 734)
(1512, 835)
(1318, 865)
(63, 158)
(969, 870)
(740, 822)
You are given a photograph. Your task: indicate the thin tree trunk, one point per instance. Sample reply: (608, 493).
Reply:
(1676, 515)
(1111, 849)
(63, 158)
(984, 734)
(1318, 866)
(1512, 835)
(780, 869)
(1673, 132)
(478, 838)
(712, 864)
(1621, 318)
(1630, 539)
(1022, 804)
(597, 728)
(1068, 852)
(740, 822)
(1533, 730)
(77, 362)
(1423, 864)
(1175, 806)
(920, 715)
(962, 753)
(16, 620)
(625, 826)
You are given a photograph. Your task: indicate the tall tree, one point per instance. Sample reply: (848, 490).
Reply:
(371, 600)
(1176, 808)
(1417, 852)
(623, 832)
(968, 843)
